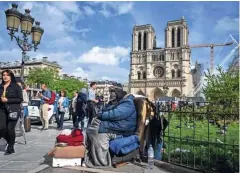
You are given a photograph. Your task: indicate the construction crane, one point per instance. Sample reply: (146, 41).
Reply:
(212, 51)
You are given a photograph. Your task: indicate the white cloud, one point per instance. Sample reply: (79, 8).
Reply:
(79, 72)
(88, 11)
(106, 56)
(115, 8)
(227, 24)
(105, 13)
(57, 19)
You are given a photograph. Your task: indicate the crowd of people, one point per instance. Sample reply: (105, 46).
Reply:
(106, 122)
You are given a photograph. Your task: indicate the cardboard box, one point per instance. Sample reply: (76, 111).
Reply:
(68, 152)
(62, 162)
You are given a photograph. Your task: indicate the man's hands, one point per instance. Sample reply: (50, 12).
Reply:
(4, 99)
(40, 95)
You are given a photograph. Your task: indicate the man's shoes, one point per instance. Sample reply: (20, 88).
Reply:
(45, 128)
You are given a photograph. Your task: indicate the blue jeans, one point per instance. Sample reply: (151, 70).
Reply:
(25, 111)
(60, 119)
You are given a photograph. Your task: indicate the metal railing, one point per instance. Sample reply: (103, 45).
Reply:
(202, 136)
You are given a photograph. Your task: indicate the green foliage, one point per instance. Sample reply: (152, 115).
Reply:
(223, 86)
(69, 84)
(42, 75)
(51, 77)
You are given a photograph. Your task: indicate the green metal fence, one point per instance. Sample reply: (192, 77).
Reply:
(202, 136)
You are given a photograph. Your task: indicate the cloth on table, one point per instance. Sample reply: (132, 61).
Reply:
(74, 139)
(98, 154)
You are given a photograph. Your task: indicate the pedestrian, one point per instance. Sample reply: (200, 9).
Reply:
(63, 104)
(25, 100)
(45, 96)
(91, 102)
(81, 108)
(55, 108)
(10, 108)
(73, 107)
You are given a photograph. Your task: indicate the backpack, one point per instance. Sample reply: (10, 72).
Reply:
(52, 99)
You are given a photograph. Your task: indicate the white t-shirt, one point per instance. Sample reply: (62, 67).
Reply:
(61, 99)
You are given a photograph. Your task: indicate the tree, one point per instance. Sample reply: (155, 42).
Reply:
(223, 88)
(51, 77)
(42, 75)
(68, 84)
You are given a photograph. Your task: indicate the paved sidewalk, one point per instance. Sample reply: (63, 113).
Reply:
(29, 156)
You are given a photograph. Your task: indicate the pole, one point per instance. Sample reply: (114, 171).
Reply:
(22, 68)
(212, 60)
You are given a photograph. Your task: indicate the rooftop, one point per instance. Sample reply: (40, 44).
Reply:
(30, 61)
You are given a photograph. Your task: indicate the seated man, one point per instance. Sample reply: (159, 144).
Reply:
(114, 121)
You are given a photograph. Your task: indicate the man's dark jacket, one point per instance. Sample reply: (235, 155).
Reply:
(120, 119)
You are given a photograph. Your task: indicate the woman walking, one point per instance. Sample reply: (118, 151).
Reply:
(62, 108)
(10, 108)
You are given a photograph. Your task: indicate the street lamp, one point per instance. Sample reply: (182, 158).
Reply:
(15, 19)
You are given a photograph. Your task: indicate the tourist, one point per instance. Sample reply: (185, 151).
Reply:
(91, 102)
(63, 104)
(45, 96)
(73, 107)
(10, 108)
(81, 108)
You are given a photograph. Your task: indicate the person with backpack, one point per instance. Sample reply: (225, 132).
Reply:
(63, 104)
(81, 108)
(45, 98)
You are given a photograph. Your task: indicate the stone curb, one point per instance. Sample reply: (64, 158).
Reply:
(162, 165)
(39, 168)
(173, 168)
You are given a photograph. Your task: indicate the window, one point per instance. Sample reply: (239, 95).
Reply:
(173, 37)
(161, 57)
(172, 56)
(145, 41)
(178, 55)
(144, 59)
(153, 58)
(139, 75)
(173, 74)
(158, 72)
(179, 73)
(139, 41)
(178, 37)
(144, 75)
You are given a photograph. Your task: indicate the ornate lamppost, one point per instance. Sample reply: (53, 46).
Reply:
(15, 19)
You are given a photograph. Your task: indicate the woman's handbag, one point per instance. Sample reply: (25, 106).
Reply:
(62, 110)
(12, 115)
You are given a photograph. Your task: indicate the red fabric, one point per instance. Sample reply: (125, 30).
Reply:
(74, 139)
(52, 99)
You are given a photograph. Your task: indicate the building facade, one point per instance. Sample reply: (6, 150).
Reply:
(30, 64)
(152, 68)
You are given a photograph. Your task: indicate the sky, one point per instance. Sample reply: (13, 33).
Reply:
(93, 39)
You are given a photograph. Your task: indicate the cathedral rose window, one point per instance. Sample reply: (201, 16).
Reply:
(158, 72)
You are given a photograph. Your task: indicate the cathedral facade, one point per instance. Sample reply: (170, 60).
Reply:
(153, 68)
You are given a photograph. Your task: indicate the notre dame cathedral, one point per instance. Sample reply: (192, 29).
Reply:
(152, 68)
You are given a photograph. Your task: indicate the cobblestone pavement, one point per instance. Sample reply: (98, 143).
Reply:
(32, 158)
